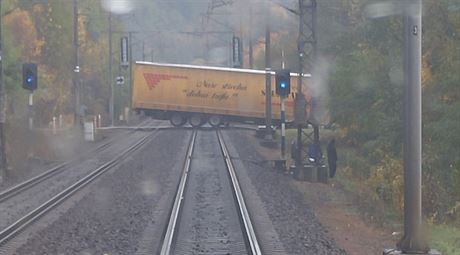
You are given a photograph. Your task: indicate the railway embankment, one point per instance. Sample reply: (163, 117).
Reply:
(292, 216)
(114, 214)
(309, 216)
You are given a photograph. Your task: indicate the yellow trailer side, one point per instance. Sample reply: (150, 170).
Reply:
(209, 90)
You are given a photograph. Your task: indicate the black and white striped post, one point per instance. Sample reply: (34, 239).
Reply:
(283, 128)
(31, 110)
(283, 89)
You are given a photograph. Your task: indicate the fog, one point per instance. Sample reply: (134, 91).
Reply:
(198, 31)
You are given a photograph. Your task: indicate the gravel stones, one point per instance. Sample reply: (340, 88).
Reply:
(110, 219)
(293, 220)
(209, 222)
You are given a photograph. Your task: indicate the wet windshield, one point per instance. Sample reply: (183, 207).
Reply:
(229, 126)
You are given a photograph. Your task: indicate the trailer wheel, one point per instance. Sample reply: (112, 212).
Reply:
(196, 120)
(177, 119)
(215, 120)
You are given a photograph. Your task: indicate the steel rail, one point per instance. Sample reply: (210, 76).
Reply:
(243, 211)
(177, 206)
(10, 192)
(34, 215)
(178, 202)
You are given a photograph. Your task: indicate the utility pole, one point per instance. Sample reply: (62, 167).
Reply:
(251, 57)
(283, 115)
(3, 162)
(268, 85)
(307, 54)
(130, 52)
(413, 241)
(111, 102)
(76, 70)
(143, 51)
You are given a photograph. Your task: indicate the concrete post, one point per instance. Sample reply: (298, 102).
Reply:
(76, 77)
(130, 44)
(60, 120)
(413, 241)
(54, 125)
(110, 79)
(95, 123)
(3, 162)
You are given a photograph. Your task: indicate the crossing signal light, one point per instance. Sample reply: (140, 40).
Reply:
(283, 82)
(29, 76)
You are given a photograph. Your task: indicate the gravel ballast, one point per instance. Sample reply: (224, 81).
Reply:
(126, 210)
(112, 216)
(294, 221)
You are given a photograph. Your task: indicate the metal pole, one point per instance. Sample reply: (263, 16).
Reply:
(307, 52)
(76, 70)
(31, 135)
(317, 145)
(111, 103)
(251, 57)
(130, 44)
(283, 118)
(268, 85)
(31, 109)
(282, 59)
(413, 240)
(143, 51)
(316, 120)
(283, 128)
(298, 153)
(3, 163)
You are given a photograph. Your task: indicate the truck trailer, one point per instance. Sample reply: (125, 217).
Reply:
(200, 94)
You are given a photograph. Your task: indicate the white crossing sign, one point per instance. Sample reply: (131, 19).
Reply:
(120, 80)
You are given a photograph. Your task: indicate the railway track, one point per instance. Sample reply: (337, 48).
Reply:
(20, 224)
(17, 189)
(209, 215)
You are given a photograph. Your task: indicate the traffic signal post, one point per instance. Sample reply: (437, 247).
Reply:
(283, 89)
(30, 83)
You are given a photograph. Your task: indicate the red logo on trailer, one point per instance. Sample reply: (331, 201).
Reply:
(154, 79)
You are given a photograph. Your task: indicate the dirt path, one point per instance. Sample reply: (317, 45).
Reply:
(338, 215)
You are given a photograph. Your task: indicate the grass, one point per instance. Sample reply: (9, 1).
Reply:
(445, 239)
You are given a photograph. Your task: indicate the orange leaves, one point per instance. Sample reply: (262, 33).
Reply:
(82, 32)
(24, 33)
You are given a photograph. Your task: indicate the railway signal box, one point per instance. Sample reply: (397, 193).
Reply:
(29, 76)
(283, 82)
